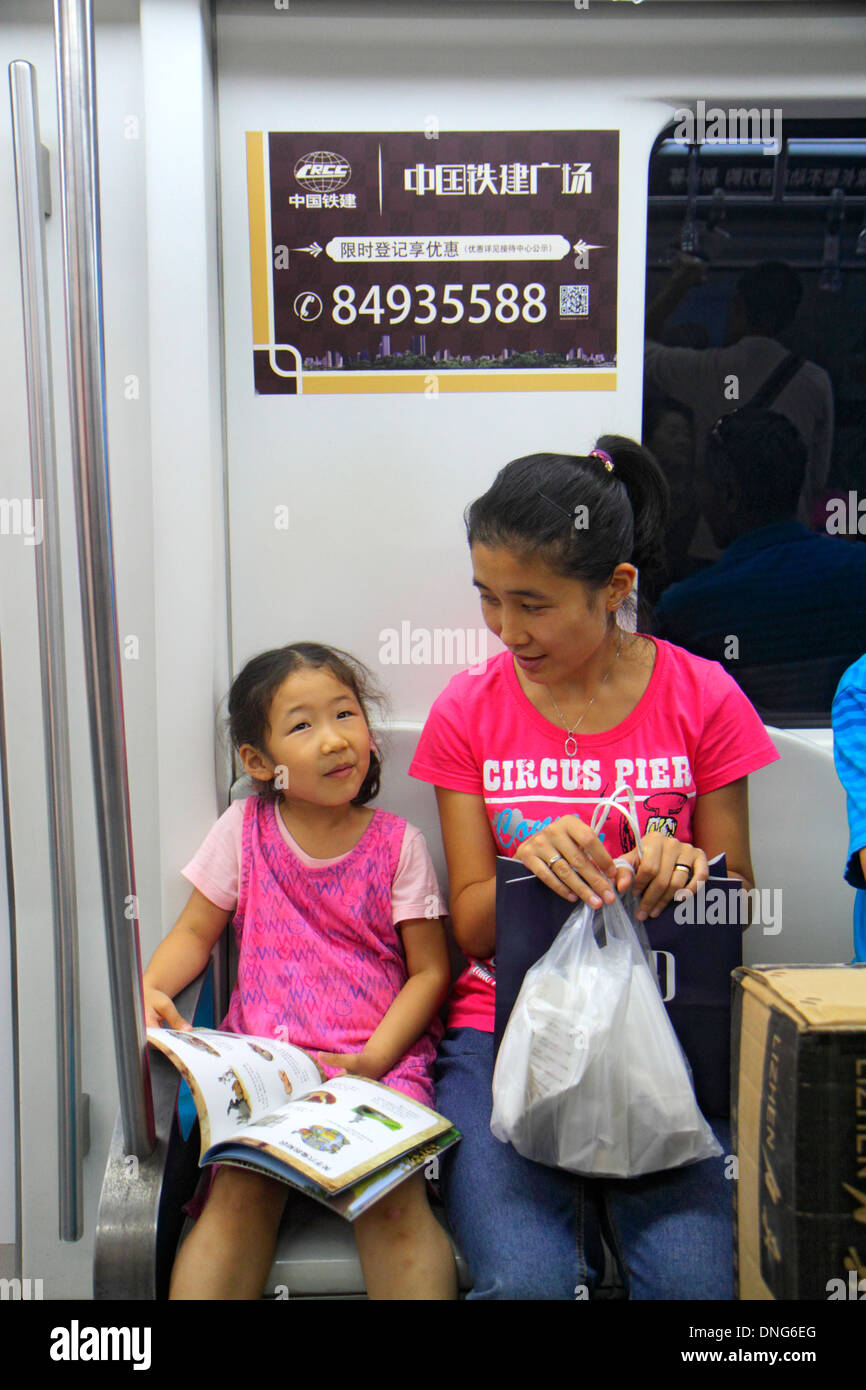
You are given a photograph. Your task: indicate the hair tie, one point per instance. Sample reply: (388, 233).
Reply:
(604, 456)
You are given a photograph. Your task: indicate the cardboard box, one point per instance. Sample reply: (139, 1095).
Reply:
(798, 1067)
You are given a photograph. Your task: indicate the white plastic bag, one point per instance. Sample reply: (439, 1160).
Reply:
(590, 1075)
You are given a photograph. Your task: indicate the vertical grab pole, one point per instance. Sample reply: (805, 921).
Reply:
(79, 185)
(49, 597)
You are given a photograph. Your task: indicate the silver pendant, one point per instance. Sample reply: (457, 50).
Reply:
(572, 751)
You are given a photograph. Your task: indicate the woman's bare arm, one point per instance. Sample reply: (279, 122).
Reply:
(471, 856)
(721, 826)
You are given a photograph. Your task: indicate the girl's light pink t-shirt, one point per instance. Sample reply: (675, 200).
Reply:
(215, 869)
(692, 731)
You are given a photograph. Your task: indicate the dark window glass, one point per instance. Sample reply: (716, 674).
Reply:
(755, 402)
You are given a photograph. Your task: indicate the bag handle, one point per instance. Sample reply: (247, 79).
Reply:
(627, 809)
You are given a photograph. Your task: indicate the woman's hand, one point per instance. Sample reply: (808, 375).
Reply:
(571, 859)
(159, 1008)
(668, 867)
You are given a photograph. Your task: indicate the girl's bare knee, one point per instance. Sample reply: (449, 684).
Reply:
(399, 1213)
(241, 1191)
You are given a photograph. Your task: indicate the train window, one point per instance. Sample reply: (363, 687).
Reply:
(755, 399)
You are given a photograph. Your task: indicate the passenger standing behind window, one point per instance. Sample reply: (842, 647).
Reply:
(520, 755)
(764, 306)
(769, 608)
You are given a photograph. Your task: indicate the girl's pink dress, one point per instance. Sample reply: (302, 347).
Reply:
(320, 959)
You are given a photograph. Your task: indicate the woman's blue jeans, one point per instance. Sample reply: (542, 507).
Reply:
(532, 1232)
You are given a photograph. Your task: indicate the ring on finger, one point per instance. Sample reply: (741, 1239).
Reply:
(551, 862)
(687, 867)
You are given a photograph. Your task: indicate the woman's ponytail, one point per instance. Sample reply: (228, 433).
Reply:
(649, 496)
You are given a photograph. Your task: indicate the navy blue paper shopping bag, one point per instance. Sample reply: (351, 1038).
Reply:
(694, 962)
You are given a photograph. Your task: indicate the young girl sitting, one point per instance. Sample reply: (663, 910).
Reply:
(327, 896)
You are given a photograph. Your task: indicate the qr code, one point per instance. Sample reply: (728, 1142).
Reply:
(573, 301)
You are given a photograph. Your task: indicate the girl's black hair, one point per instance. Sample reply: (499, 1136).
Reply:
(253, 691)
(531, 508)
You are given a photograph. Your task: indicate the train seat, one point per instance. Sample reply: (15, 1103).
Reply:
(799, 839)
(798, 835)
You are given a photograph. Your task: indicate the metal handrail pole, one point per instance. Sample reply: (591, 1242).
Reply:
(79, 183)
(52, 656)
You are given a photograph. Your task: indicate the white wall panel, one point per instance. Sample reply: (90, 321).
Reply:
(376, 485)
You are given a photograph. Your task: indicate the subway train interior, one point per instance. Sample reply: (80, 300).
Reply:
(191, 193)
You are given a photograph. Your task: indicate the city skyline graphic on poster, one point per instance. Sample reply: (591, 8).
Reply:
(482, 261)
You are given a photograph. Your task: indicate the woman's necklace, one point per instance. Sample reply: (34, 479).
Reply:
(570, 739)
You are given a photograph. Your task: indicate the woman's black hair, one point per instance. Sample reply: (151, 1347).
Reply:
(253, 691)
(532, 505)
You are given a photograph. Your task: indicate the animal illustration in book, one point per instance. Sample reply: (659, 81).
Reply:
(322, 1097)
(194, 1041)
(367, 1112)
(287, 1085)
(328, 1141)
(263, 1052)
(240, 1101)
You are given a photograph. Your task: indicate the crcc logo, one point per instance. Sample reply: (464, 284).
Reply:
(323, 171)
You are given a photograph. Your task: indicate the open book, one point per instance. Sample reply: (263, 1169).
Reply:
(265, 1105)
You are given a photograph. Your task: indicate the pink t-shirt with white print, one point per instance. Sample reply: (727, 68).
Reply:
(692, 731)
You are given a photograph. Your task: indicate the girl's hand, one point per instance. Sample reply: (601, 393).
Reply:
(581, 867)
(180, 958)
(660, 873)
(355, 1063)
(159, 1008)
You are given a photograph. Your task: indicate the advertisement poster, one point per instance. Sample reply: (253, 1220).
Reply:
(472, 261)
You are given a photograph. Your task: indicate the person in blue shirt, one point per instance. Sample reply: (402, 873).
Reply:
(769, 610)
(849, 751)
